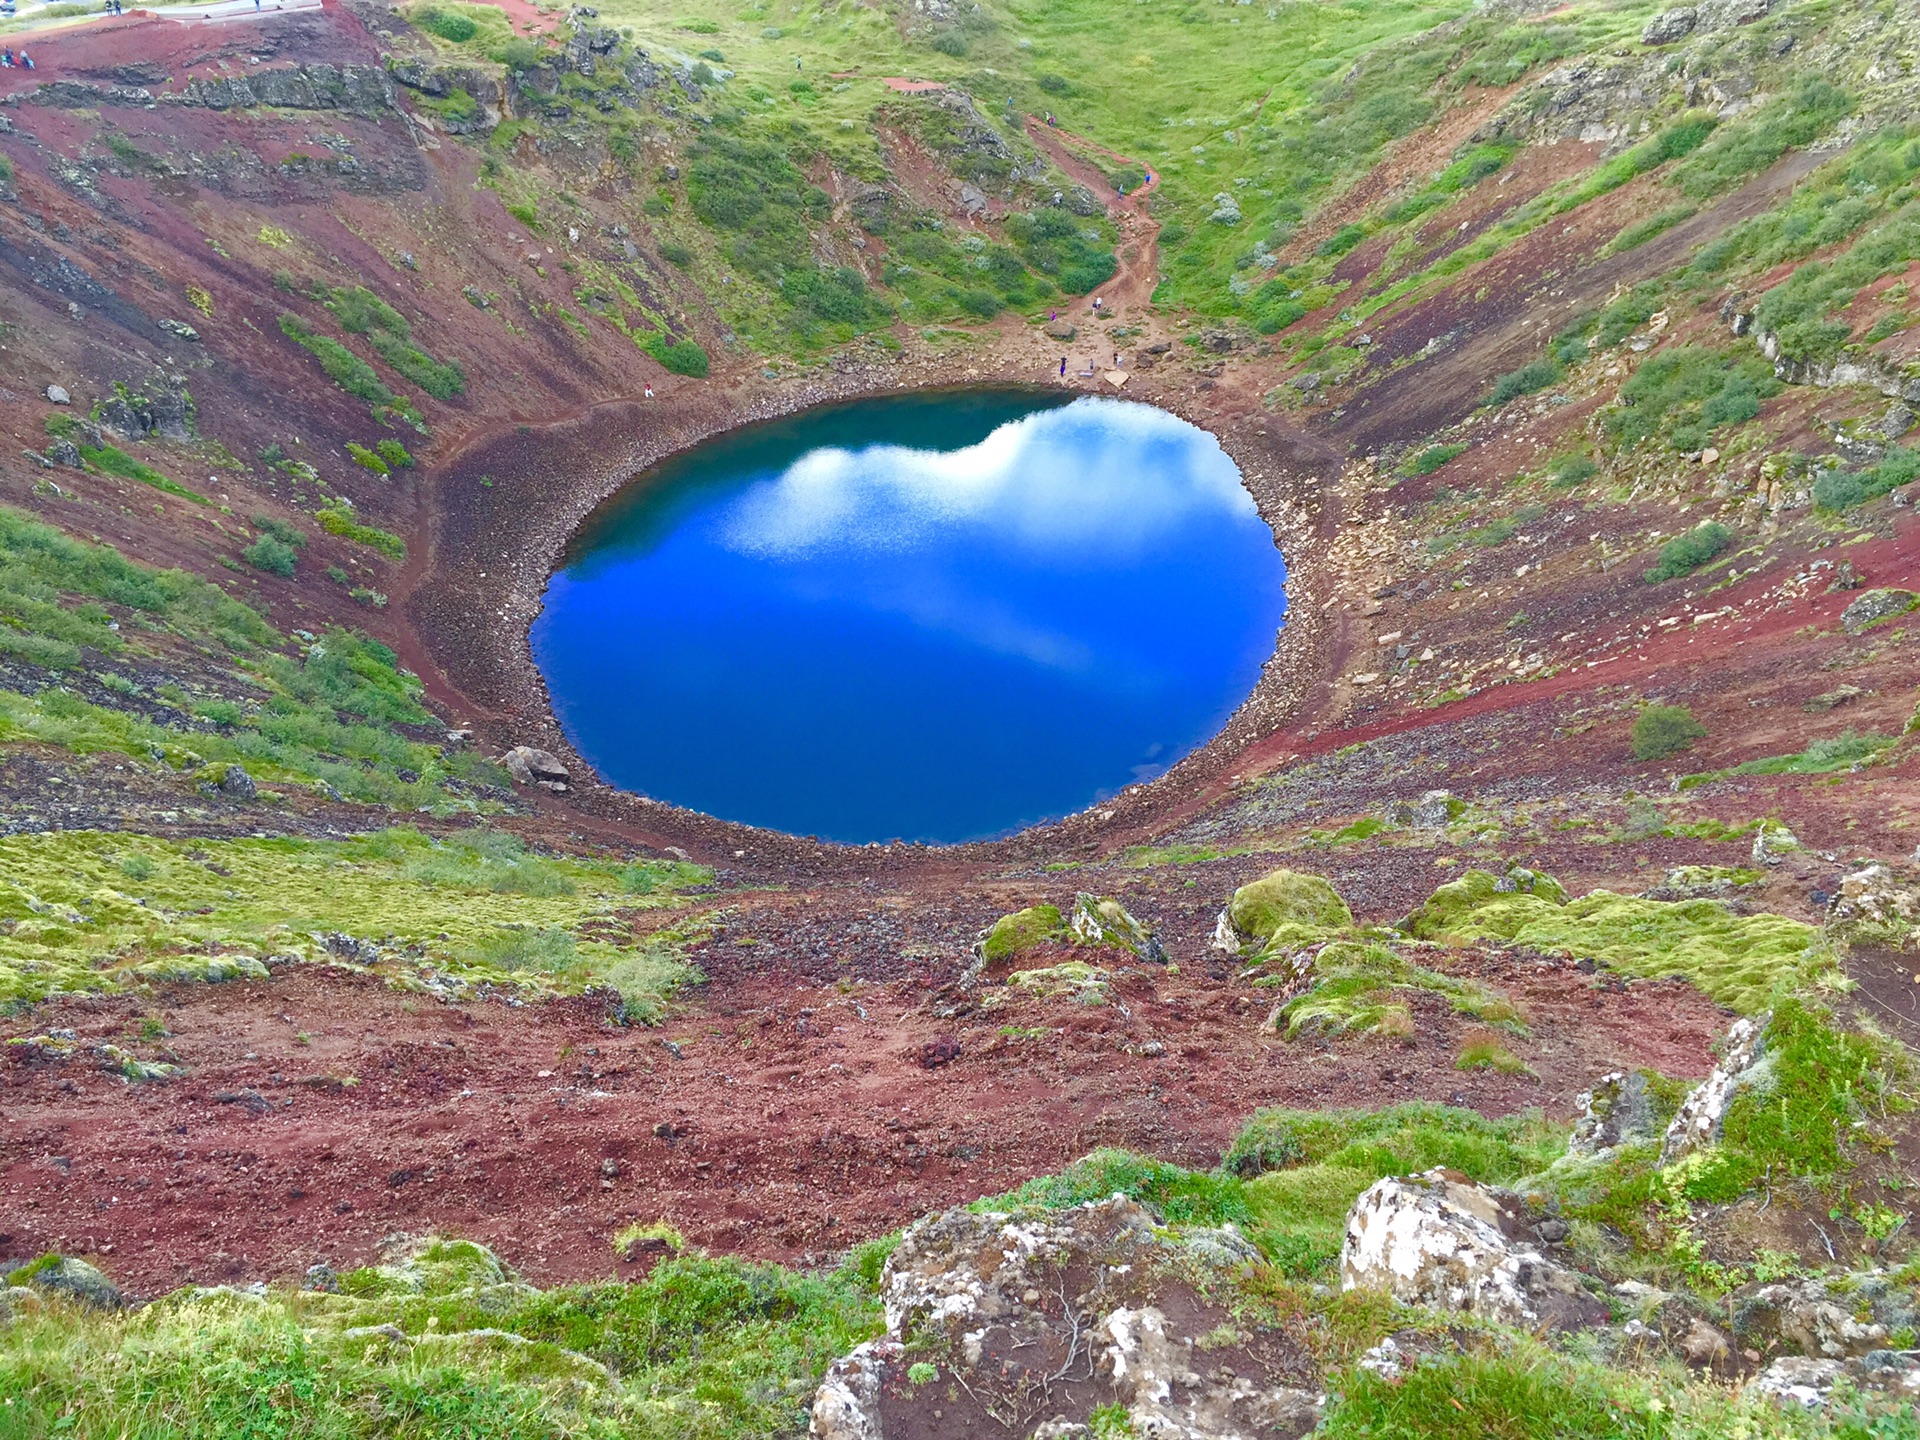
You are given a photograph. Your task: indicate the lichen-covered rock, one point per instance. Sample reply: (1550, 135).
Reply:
(1087, 1306)
(1806, 1382)
(1105, 922)
(1874, 606)
(1439, 1239)
(1616, 1111)
(1704, 1111)
(1829, 1317)
(75, 1280)
(1773, 842)
(1669, 26)
(1284, 910)
(1874, 906)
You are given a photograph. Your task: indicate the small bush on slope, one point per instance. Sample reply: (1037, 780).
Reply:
(1663, 730)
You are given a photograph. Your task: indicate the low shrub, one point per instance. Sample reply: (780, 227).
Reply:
(1529, 378)
(1663, 730)
(1426, 461)
(1686, 553)
(679, 357)
(276, 557)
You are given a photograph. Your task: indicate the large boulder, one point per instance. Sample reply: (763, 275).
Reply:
(1052, 1314)
(1874, 606)
(1702, 1114)
(1439, 1239)
(530, 766)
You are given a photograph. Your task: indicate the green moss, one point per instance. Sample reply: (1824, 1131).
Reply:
(91, 911)
(1023, 930)
(1739, 960)
(114, 461)
(700, 1347)
(1183, 1197)
(1305, 1168)
(336, 520)
(1798, 1115)
(1287, 909)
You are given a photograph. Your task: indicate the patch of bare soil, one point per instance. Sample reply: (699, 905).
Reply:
(822, 1088)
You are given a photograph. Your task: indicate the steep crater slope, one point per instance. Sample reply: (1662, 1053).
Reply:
(1567, 351)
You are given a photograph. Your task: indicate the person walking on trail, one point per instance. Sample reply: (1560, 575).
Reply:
(1096, 304)
(26, 60)
(649, 390)
(1063, 367)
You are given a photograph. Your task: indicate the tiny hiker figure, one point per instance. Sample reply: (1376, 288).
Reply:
(649, 390)
(1096, 304)
(1063, 367)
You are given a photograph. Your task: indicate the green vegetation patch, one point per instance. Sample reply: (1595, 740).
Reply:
(55, 594)
(1305, 1168)
(1744, 961)
(86, 910)
(1663, 730)
(1285, 910)
(1687, 393)
(1686, 553)
(112, 460)
(1022, 931)
(339, 520)
(701, 1347)
(1822, 757)
(1362, 987)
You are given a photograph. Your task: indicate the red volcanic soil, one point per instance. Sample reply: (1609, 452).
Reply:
(784, 1114)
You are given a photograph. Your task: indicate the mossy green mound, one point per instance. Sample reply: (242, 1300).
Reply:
(1024, 930)
(1285, 910)
(1739, 960)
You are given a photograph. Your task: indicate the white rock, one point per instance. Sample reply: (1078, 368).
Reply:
(58, 395)
(1701, 1114)
(1439, 1239)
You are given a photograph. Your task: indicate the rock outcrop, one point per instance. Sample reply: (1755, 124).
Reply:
(1046, 1315)
(1875, 906)
(530, 766)
(1439, 1239)
(1704, 1110)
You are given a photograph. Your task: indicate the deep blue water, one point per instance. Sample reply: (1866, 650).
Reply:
(939, 617)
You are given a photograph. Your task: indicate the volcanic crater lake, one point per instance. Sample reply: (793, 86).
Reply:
(942, 617)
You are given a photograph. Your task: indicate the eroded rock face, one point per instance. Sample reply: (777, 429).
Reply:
(1702, 1113)
(1048, 1314)
(1439, 1239)
(1808, 1383)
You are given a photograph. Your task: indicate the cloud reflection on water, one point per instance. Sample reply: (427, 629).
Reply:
(1105, 474)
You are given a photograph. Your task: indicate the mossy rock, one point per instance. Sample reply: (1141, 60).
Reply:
(433, 1267)
(206, 969)
(1074, 979)
(1103, 922)
(69, 1279)
(1284, 910)
(1481, 905)
(1023, 930)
